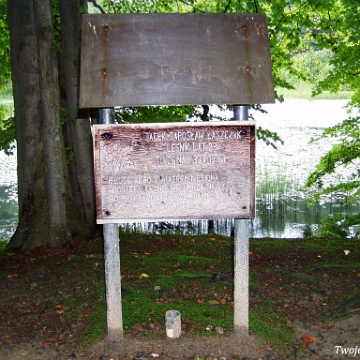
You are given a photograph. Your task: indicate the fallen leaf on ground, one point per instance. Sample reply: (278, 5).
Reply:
(307, 339)
(144, 276)
(11, 276)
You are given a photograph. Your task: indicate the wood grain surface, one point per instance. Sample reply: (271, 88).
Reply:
(174, 171)
(175, 59)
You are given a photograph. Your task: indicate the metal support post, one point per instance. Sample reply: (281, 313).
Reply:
(112, 262)
(241, 258)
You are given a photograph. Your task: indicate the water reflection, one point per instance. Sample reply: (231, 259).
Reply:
(289, 218)
(8, 211)
(283, 218)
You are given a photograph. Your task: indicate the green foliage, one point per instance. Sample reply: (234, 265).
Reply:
(313, 65)
(3, 244)
(56, 20)
(343, 40)
(308, 232)
(7, 126)
(344, 152)
(64, 115)
(338, 226)
(328, 177)
(5, 71)
(155, 114)
(7, 129)
(70, 155)
(269, 137)
(7, 93)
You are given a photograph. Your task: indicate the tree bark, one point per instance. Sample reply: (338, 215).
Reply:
(78, 136)
(48, 215)
(32, 197)
(56, 174)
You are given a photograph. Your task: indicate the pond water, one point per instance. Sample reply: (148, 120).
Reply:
(8, 196)
(281, 209)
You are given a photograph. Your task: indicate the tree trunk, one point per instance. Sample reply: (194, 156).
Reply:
(78, 136)
(56, 174)
(48, 215)
(32, 197)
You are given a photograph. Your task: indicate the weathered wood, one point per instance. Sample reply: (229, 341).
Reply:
(174, 171)
(170, 59)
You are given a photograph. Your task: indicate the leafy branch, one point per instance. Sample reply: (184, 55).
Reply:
(343, 153)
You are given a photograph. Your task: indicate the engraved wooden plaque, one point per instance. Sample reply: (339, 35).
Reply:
(175, 59)
(174, 171)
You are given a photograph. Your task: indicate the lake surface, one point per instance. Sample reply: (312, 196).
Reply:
(8, 196)
(281, 201)
(282, 211)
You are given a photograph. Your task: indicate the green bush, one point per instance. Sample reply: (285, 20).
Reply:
(338, 226)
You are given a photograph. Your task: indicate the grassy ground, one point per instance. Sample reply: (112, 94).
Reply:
(58, 297)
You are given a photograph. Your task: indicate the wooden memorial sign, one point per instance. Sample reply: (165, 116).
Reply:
(175, 59)
(174, 171)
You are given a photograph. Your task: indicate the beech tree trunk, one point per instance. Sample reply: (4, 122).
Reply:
(78, 136)
(56, 174)
(32, 197)
(53, 206)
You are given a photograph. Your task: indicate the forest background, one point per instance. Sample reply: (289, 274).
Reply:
(313, 42)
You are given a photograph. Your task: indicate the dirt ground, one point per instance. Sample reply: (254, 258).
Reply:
(33, 324)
